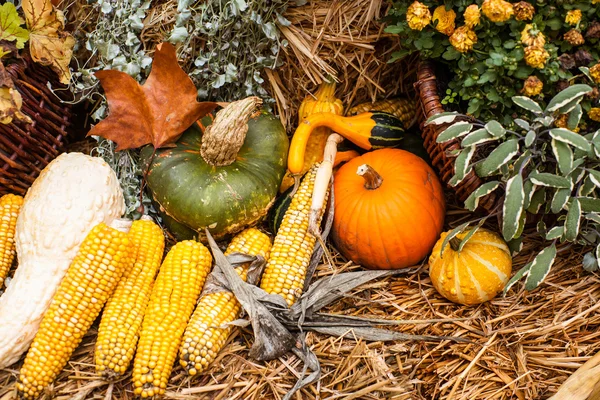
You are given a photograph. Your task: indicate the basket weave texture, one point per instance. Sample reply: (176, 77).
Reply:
(441, 153)
(25, 149)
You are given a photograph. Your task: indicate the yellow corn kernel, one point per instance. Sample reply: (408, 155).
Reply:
(90, 280)
(122, 317)
(174, 295)
(404, 109)
(293, 246)
(10, 205)
(204, 337)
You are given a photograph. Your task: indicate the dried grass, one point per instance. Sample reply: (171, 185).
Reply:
(345, 40)
(524, 346)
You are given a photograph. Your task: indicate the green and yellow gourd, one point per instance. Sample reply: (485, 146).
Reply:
(369, 130)
(222, 174)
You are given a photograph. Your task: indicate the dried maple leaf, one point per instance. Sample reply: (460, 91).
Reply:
(48, 43)
(157, 112)
(10, 100)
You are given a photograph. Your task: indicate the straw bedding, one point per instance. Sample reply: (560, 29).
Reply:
(523, 346)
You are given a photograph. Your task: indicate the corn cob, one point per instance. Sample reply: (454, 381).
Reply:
(204, 337)
(174, 295)
(10, 204)
(404, 109)
(119, 328)
(89, 282)
(293, 246)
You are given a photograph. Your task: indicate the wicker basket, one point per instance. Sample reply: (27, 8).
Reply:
(440, 153)
(25, 149)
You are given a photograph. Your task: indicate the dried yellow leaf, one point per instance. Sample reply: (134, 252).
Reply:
(48, 43)
(10, 100)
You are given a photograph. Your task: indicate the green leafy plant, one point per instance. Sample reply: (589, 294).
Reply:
(490, 59)
(543, 170)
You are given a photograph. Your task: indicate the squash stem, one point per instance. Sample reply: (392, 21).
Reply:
(454, 243)
(225, 136)
(372, 179)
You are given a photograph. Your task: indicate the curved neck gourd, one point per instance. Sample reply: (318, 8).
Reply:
(370, 130)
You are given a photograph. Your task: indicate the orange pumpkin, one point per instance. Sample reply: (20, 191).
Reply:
(389, 209)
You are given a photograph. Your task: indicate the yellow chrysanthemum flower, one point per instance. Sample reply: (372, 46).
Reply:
(497, 10)
(595, 1)
(523, 11)
(418, 16)
(594, 114)
(463, 39)
(574, 37)
(472, 16)
(595, 72)
(573, 17)
(445, 20)
(531, 36)
(536, 56)
(533, 86)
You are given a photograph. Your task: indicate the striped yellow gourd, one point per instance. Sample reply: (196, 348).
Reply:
(475, 274)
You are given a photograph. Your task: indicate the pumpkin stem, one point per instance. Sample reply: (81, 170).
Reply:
(372, 179)
(225, 136)
(454, 243)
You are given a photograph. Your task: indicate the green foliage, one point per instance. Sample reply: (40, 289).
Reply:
(542, 169)
(224, 45)
(241, 39)
(485, 78)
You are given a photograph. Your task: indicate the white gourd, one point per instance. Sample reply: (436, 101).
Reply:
(73, 193)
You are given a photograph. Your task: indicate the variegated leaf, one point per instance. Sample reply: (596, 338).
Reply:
(500, 156)
(589, 204)
(571, 138)
(470, 234)
(527, 104)
(559, 200)
(573, 220)
(574, 117)
(442, 118)
(495, 129)
(551, 180)
(520, 274)
(566, 96)
(452, 234)
(537, 201)
(472, 202)
(454, 131)
(540, 267)
(521, 123)
(513, 207)
(595, 217)
(528, 190)
(478, 136)
(461, 165)
(564, 156)
(530, 138)
(594, 177)
(555, 232)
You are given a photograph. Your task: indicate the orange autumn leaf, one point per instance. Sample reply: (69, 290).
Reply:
(157, 112)
(49, 44)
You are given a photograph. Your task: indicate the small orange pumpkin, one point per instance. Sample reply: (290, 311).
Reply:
(389, 209)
